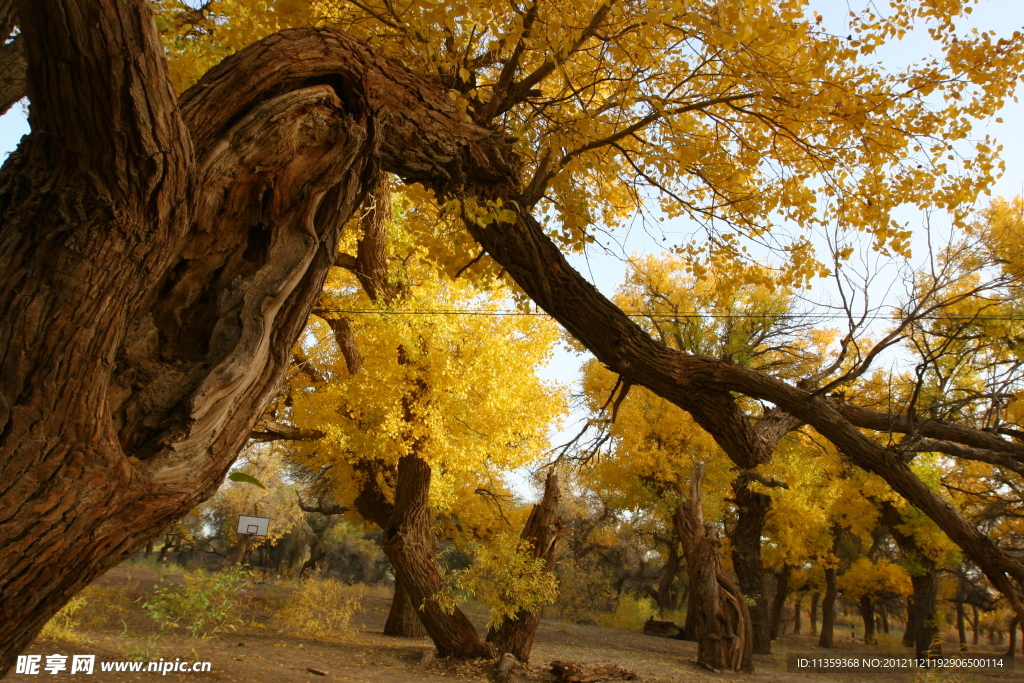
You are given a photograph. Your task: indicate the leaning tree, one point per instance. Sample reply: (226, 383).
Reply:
(159, 254)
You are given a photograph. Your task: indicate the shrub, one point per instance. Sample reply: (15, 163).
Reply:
(61, 625)
(207, 603)
(630, 613)
(320, 608)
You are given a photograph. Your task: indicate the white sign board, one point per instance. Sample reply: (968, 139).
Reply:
(253, 526)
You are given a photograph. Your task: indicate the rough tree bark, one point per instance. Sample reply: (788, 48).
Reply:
(543, 529)
(151, 287)
(752, 512)
(722, 625)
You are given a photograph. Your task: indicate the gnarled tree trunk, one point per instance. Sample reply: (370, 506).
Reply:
(721, 618)
(543, 529)
(151, 288)
(922, 605)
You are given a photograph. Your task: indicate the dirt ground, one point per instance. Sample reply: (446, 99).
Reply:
(258, 652)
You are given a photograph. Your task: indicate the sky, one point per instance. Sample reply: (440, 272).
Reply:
(607, 270)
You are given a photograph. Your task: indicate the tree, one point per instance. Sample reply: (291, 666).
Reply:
(457, 393)
(160, 255)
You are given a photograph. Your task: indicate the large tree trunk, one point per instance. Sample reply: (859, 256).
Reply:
(779, 601)
(752, 511)
(409, 544)
(150, 291)
(721, 619)
(543, 529)
(403, 618)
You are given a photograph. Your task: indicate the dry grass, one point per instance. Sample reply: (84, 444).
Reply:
(63, 625)
(320, 608)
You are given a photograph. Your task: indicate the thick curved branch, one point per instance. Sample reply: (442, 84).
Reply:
(422, 136)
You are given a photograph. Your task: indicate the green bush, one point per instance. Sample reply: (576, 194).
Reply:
(630, 613)
(206, 604)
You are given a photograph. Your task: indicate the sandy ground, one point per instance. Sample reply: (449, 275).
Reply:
(258, 652)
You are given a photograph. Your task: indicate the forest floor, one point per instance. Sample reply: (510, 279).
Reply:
(114, 628)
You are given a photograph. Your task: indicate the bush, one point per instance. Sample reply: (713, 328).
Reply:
(321, 608)
(61, 625)
(630, 613)
(206, 604)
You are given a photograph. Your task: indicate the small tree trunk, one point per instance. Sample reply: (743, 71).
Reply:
(240, 549)
(1012, 632)
(542, 530)
(815, 596)
(828, 610)
(752, 511)
(667, 597)
(781, 591)
(976, 625)
(403, 618)
(922, 626)
(883, 614)
(409, 544)
(961, 629)
(797, 602)
(867, 613)
(722, 620)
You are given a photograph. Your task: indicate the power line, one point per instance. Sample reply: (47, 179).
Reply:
(669, 316)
